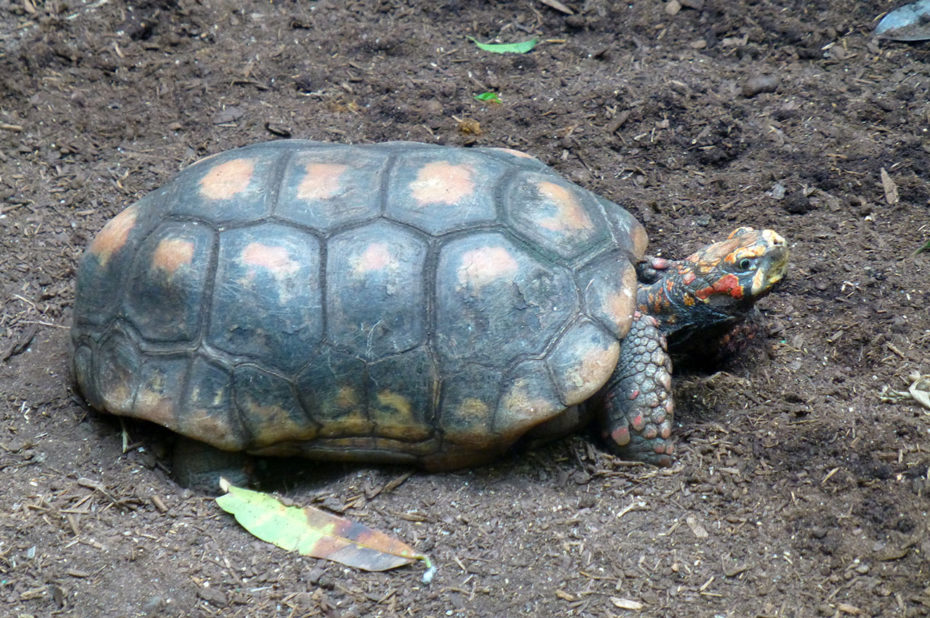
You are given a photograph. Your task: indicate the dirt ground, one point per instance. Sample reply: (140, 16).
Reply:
(798, 490)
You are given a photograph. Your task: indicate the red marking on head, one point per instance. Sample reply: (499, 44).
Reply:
(666, 431)
(634, 394)
(638, 422)
(650, 432)
(621, 436)
(688, 277)
(227, 179)
(727, 284)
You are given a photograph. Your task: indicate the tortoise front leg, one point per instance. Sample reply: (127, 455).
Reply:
(637, 401)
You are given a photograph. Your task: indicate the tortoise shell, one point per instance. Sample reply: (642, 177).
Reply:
(388, 302)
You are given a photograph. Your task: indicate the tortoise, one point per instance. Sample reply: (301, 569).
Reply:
(396, 302)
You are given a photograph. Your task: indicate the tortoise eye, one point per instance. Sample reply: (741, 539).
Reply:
(745, 264)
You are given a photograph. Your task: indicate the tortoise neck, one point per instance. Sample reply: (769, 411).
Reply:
(680, 313)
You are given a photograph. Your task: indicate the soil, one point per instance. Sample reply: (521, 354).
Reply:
(799, 489)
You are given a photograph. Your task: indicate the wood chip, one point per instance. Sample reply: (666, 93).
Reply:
(672, 7)
(626, 603)
(848, 609)
(558, 6)
(564, 595)
(696, 527)
(891, 189)
(162, 508)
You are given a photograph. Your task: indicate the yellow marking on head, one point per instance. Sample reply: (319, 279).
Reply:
(172, 253)
(114, 235)
(570, 216)
(442, 182)
(276, 260)
(376, 257)
(321, 182)
(485, 265)
(227, 179)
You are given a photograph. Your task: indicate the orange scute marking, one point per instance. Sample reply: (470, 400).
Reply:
(172, 253)
(227, 179)
(571, 216)
(321, 182)
(482, 266)
(114, 235)
(442, 182)
(274, 259)
(591, 372)
(376, 257)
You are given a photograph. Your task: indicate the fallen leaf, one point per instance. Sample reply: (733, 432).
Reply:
(506, 48)
(891, 189)
(626, 603)
(312, 532)
(558, 6)
(920, 389)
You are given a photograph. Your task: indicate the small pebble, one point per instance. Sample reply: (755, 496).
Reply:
(759, 84)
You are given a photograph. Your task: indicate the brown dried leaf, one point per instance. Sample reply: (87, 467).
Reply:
(312, 532)
(891, 189)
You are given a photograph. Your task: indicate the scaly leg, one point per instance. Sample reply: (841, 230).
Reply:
(637, 401)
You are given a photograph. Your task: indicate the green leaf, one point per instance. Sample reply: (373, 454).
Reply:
(488, 97)
(926, 247)
(312, 532)
(506, 48)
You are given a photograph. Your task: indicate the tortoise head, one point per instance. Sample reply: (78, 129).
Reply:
(716, 286)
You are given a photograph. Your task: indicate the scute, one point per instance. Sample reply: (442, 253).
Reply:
(232, 187)
(267, 302)
(556, 215)
(496, 302)
(610, 293)
(329, 187)
(105, 266)
(529, 398)
(269, 408)
(401, 394)
(383, 264)
(438, 190)
(166, 283)
(583, 360)
(205, 411)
